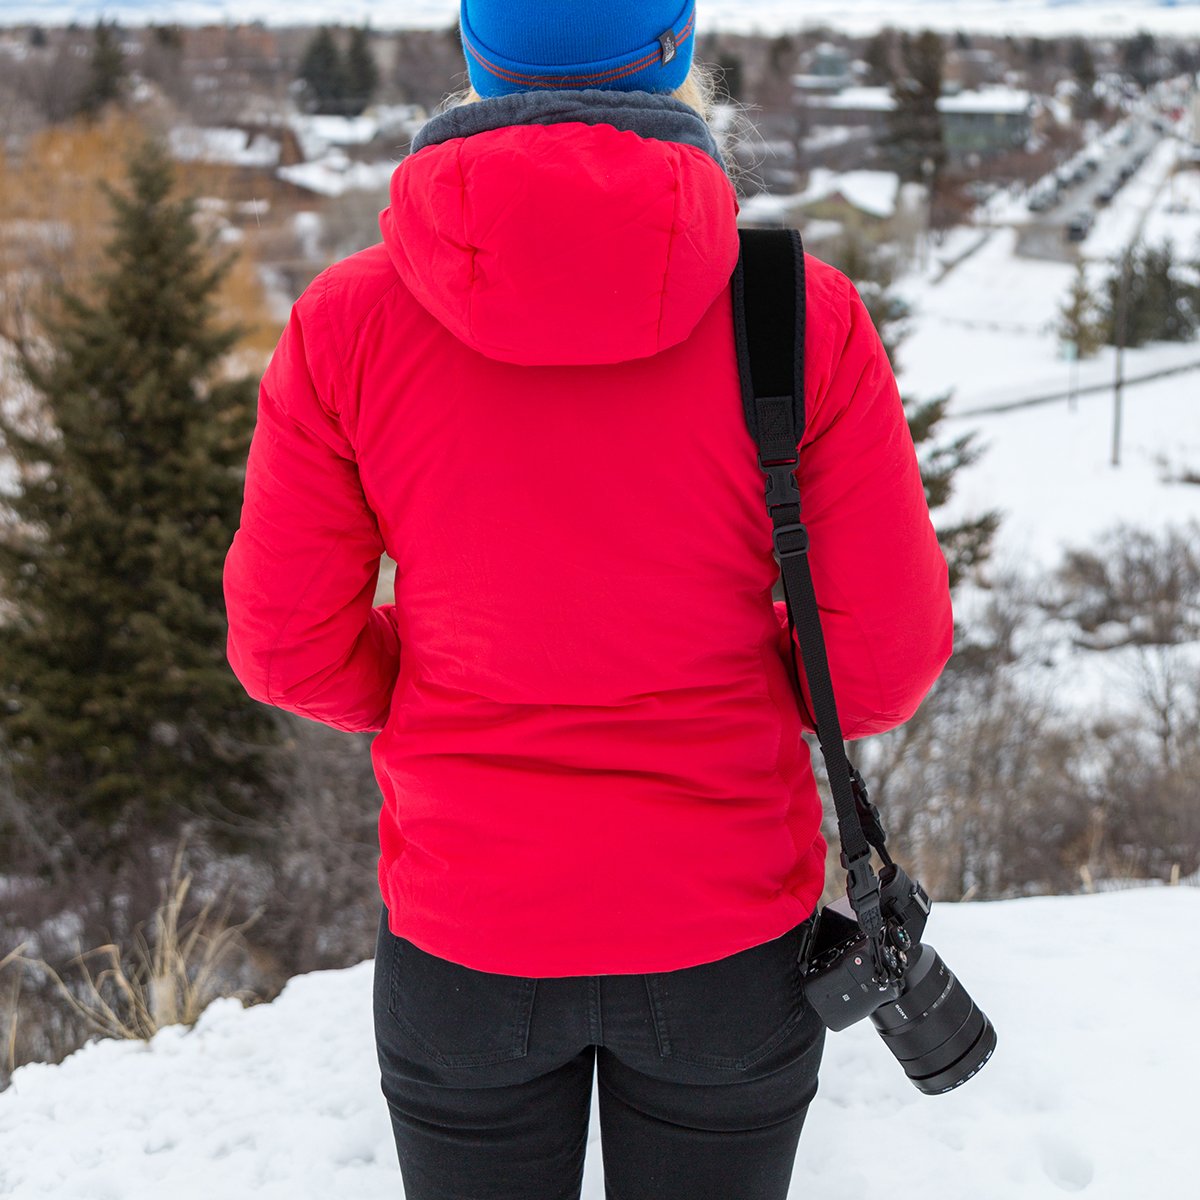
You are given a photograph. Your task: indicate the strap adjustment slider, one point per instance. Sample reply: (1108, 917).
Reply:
(791, 540)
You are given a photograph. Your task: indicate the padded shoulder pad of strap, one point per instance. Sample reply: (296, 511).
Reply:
(769, 314)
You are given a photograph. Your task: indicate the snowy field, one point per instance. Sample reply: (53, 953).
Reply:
(1091, 1088)
(1096, 18)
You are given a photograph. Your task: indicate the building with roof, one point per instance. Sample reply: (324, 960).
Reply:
(983, 122)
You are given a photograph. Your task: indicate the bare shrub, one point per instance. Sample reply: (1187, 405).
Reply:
(1135, 588)
(1002, 785)
(323, 902)
(1148, 798)
(978, 793)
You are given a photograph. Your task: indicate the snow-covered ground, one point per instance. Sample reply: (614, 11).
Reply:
(985, 331)
(1092, 17)
(1090, 1090)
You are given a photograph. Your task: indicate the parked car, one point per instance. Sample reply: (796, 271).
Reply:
(1041, 201)
(1079, 227)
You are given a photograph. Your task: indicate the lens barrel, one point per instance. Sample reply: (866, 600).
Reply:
(933, 1028)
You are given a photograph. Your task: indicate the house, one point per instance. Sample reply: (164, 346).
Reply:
(987, 121)
(871, 204)
(983, 122)
(827, 69)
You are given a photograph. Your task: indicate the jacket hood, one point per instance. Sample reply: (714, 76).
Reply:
(564, 227)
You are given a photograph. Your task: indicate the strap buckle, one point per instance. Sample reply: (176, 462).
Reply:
(782, 487)
(791, 540)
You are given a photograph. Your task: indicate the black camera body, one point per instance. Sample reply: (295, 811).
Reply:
(919, 1008)
(840, 973)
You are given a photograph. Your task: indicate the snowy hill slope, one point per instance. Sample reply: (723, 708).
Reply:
(1090, 1090)
(1096, 17)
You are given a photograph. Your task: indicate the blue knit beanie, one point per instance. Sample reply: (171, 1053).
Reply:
(630, 45)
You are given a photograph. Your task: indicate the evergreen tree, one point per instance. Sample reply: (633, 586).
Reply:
(916, 141)
(117, 707)
(781, 54)
(1160, 305)
(1083, 67)
(878, 57)
(362, 72)
(1139, 56)
(1079, 318)
(169, 37)
(1170, 298)
(106, 72)
(324, 73)
(964, 543)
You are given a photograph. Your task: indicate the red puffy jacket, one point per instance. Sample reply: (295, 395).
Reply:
(591, 758)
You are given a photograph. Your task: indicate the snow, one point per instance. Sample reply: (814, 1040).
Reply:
(1018, 17)
(987, 100)
(859, 99)
(335, 174)
(872, 192)
(993, 99)
(234, 147)
(1089, 1090)
(827, 136)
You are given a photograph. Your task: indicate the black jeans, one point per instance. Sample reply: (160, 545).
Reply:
(705, 1076)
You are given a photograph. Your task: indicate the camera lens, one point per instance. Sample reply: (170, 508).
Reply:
(933, 1028)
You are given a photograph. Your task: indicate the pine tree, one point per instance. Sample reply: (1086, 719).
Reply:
(117, 707)
(1160, 305)
(878, 57)
(964, 543)
(324, 73)
(362, 72)
(1079, 320)
(1170, 298)
(106, 74)
(1139, 56)
(916, 141)
(1083, 67)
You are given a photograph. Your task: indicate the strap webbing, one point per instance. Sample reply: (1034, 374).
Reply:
(769, 324)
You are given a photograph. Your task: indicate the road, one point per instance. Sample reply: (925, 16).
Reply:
(1045, 236)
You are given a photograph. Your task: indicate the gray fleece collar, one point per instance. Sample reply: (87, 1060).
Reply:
(649, 114)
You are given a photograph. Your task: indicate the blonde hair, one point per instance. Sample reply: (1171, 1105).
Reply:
(698, 91)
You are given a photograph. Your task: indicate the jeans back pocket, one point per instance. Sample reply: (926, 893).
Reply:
(730, 1013)
(458, 1016)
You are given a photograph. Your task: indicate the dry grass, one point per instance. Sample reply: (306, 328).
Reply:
(11, 1047)
(174, 975)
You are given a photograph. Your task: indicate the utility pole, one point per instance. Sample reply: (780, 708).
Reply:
(1119, 381)
(928, 173)
(1071, 352)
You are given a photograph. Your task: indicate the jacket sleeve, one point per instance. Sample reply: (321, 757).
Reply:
(878, 571)
(301, 573)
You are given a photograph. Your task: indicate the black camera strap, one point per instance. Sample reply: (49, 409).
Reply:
(769, 323)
